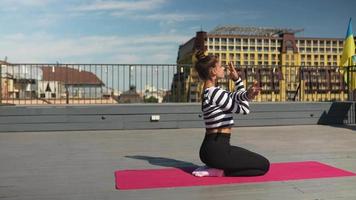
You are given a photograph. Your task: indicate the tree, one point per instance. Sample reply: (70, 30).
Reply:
(151, 99)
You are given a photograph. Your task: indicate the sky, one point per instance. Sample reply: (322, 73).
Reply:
(147, 31)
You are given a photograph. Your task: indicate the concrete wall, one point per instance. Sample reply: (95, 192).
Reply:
(138, 116)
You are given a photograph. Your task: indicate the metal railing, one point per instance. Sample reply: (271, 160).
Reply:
(158, 83)
(299, 83)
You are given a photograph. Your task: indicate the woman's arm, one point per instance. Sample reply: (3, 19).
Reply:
(251, 93)
(229, 101)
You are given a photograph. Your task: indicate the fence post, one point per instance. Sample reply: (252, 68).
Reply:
(282, 86)
(350, 82)
(0, 84)
(66, 86)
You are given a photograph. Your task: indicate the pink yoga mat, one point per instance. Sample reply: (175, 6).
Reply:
(174, 177)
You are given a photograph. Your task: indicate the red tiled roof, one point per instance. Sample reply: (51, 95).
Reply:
(70, 76)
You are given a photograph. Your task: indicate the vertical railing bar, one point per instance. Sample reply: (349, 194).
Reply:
(142, 89)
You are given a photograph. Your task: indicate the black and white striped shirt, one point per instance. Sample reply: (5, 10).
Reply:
(218, 105)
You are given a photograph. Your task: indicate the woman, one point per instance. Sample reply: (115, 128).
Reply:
(218, 106)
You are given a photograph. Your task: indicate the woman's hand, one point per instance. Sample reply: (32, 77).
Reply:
(253, 91)
(233, 74)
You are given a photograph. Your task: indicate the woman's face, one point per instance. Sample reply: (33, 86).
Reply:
(219, 70)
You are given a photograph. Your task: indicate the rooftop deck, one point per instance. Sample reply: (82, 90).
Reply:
(81, 164)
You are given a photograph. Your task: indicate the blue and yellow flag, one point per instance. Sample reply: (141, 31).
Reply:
(347, 58)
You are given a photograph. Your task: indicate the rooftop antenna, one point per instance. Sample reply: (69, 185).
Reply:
(201, 28)
(5, 59)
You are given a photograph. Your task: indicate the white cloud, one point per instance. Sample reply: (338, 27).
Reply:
(18, 4)
(42, 48)
(168, 17)
(174, 17)
(121, 5)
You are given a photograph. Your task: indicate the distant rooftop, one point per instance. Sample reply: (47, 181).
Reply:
(252, 31)
(70, 76)
(3, 62)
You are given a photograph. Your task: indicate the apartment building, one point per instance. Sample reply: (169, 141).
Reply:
(287, 67)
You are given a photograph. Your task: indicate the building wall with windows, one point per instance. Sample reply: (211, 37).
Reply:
(280, 61)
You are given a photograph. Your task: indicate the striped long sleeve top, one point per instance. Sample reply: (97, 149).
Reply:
(218, 105)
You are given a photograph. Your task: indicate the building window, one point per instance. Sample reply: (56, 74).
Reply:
(279, 43)
(231, 48)
(231, 40)
(329, 58)
(231, 56)
(252, 42)
(245, 42)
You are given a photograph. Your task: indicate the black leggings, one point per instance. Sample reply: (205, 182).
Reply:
(217, 152)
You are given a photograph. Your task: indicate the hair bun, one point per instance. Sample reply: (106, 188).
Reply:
(200, 55)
